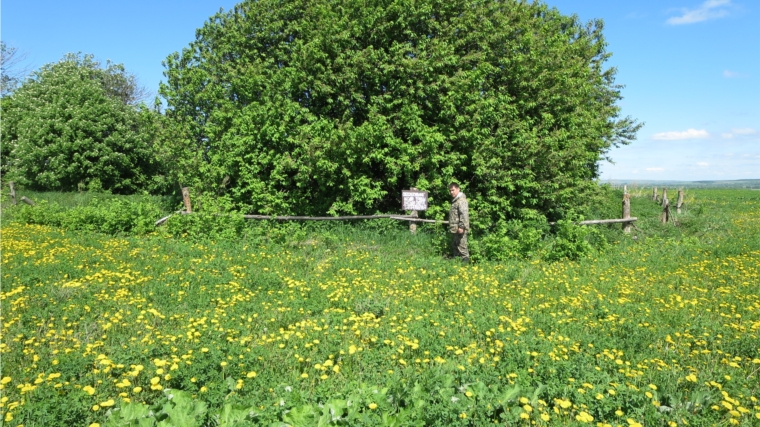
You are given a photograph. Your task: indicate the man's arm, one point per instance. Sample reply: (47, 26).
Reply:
(464, 216)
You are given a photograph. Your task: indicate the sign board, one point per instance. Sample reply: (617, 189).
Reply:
(413, 200)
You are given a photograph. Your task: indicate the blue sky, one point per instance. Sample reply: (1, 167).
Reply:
(691, 68)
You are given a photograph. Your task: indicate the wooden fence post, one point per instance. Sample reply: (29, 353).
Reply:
(679, 202)
(665, 216)
(186, 199)
(414, 214)
(13, 192)
(626, 212)
(27, 200)
(665, 200)
(654, 193)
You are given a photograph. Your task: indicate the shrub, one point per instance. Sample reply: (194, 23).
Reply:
(337, 109)
(110, 216)
(69, 126)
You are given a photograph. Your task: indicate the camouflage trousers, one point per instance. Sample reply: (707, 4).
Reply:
(459, 245)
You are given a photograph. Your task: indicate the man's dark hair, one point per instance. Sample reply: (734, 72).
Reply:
(453, 185)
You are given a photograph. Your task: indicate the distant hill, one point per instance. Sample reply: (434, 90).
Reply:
(739, 183)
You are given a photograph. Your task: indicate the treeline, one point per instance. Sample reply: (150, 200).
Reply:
(313, 108)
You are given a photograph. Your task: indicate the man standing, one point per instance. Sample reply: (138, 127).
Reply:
(459, 223)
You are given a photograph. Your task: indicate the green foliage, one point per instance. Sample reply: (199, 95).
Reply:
(177, 408)
(110, 216)
(213, 218)
(316, 107)
(513, 238)
(571, 241)
(71, 124)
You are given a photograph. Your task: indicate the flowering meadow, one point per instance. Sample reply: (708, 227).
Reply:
(661, 328)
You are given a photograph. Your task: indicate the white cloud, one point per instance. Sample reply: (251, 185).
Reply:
(655, 169)
(703, 164)
(687, 134)
(711, 9)
(739, 132)
(733, 74)
(744, 131)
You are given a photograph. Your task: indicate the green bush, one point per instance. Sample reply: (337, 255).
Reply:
(336, 109)
(109, 216)
(71, 125)
(513, 239)
(571, 241)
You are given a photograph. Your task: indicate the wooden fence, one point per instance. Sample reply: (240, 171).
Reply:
(626, 220)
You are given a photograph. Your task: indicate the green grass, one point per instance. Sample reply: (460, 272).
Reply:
(658, 327)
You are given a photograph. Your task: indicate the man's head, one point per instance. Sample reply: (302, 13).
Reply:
(454, 189)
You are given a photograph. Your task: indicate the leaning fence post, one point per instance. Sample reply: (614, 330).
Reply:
(665, 200)
(665, 216)
(13, 192)
(626, 212)
(186, 199)
(27, 200)
(654, 193)
(679, 202)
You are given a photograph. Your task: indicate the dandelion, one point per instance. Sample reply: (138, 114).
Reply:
(373, 406)
(584, 417)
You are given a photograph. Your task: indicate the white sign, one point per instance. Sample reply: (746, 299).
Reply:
(412, 200)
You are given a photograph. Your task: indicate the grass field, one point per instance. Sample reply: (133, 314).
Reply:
(349, 326)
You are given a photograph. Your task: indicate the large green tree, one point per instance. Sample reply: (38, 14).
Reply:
(73, 123)
(315, 106)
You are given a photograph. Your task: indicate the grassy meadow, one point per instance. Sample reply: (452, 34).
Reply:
(368, 325)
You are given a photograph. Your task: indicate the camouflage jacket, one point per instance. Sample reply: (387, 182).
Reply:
(459, 214)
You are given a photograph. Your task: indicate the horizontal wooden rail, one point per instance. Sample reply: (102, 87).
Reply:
(413, 219)
(395, 217)
(603, 221)
(316, 218)
(322, 218)
(608, 221)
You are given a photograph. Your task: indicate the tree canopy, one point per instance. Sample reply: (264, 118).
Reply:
(314, 106)
(71, 124)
